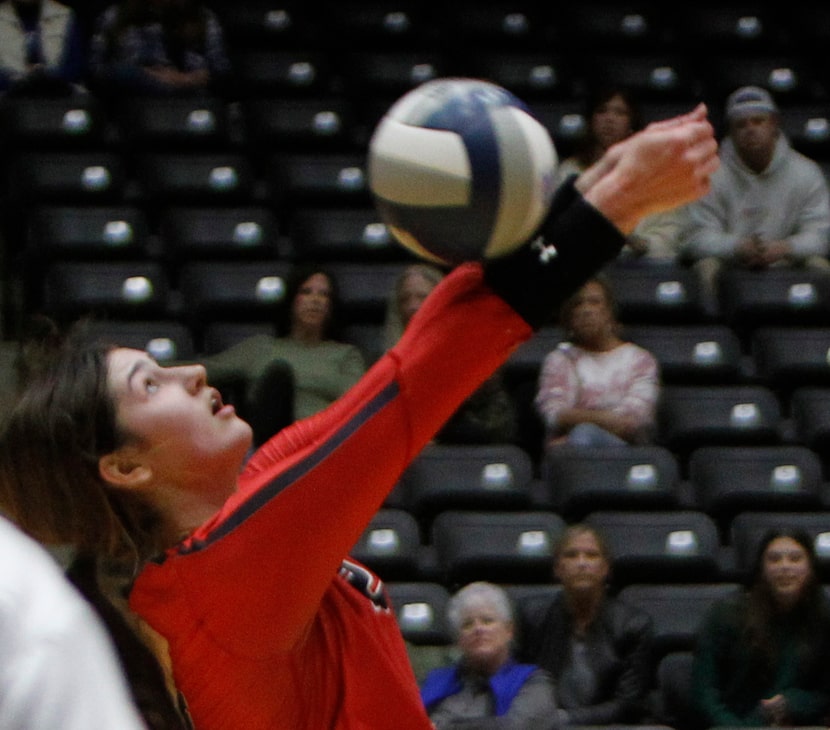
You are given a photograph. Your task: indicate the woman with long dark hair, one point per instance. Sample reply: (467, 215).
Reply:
(761, 657)
(302, 370)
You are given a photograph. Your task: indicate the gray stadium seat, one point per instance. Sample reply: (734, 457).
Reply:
(681, 546)
(502, 547)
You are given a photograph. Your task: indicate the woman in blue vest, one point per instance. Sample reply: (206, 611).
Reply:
(487, 689)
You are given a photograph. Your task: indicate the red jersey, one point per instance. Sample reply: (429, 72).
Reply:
(268, 628)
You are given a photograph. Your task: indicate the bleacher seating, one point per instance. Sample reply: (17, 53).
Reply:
(691, 416)
(677, 610)
(583, 479)
(727, 480)
(504, 547)
(176, 221)
(660, 546)
(475, 476)
(391, 546)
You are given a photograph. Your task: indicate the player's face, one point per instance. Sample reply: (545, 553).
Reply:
(786, 570)
(414, 290)
(183, 429)
(611, 121)
(484, 638)
(581, 565)
(312, 303)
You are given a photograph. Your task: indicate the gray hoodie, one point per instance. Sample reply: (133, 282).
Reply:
(788, 200)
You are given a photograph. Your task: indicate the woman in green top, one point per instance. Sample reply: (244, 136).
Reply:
(306, 364)
(762, 657)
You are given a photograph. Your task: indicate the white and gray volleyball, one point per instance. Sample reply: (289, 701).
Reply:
(460, 170)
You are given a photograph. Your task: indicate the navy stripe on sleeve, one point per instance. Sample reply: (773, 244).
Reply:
(284, 480)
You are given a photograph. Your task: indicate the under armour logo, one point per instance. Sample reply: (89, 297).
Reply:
(547, 252)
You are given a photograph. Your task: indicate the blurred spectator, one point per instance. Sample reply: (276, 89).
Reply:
(595, 389)
(489, 414)
(41, 48)
(411, 288)
(487, 682)
(59, 668)
(320, 366)
(768, 206)
(596, 648)
(612, 117)
(761, 658)
(158, 47)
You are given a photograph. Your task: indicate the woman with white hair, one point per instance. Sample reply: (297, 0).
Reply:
(487, 689)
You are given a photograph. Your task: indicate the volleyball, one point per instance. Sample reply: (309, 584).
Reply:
(460, 170)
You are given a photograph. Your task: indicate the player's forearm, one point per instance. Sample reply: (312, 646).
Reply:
(575, 242)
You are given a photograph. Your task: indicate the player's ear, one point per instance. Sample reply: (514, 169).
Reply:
(124, 469)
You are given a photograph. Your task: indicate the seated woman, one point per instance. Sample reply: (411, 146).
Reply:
(307, 354)
(761, 658)
(595, 389)
(487, 682)
(596, 647)
(488, 416)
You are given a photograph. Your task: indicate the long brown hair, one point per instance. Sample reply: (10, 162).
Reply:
(62, 423)
(761, 609)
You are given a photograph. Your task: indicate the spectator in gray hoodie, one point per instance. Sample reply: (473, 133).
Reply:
(769, 204)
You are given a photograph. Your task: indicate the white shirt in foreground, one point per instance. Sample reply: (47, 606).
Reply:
(59, 668)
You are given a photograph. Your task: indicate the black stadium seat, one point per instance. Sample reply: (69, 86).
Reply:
(70, 178)
(391, 546)
(165, 340)
(323, 180)
(677, 610)
(478, 477)
(692, 354)
(502, 547)
(774, 297)
(727, 480)
(196, 178)
(581, 480)
(673, 695)
(225, 233)
(315, 124)
(420, 608)
(681, 546)
(129, 289)
(656, 294)
(689, 417)
(46, 124)
(231, 290)
(88, 232)
(792, 357)
(174, 123)
(811, 416)
(348, 234)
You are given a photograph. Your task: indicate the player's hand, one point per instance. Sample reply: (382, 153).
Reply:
(660, 168)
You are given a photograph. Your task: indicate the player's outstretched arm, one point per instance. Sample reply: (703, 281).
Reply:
(662, 167)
